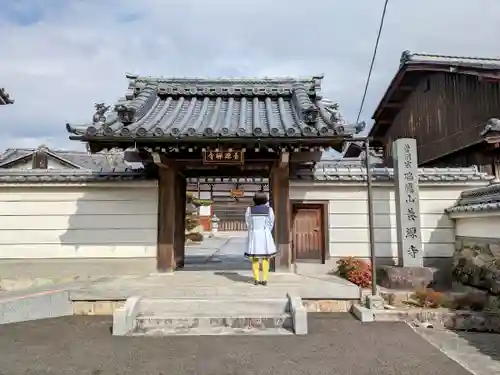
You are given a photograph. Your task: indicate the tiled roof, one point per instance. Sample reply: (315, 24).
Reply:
(173, 108)
(77, 159)
(413, 66)
(334, 172)
(491, 126)
(487, 63)
(5, 97)
(96, 168)
(66, 176)
(481, 199)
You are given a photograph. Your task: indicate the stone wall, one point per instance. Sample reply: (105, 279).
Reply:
(476, 262)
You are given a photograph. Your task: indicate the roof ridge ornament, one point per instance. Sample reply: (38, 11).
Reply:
(99, 117)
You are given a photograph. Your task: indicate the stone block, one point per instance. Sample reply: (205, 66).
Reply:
(82, 308)
(124, 317)
(478, 264)
(36, 306)
(406, 278)
(362, 313)
(299, 315)
(326, 305)
(374, 302)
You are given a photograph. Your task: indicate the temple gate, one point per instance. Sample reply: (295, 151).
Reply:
(180, 129)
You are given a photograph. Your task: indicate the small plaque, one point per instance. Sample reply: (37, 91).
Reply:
(223, 157)
(237, 193)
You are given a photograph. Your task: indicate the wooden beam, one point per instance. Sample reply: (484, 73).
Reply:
(284, 160)
(394, 105)
(179, 211)
(280, 190)
(223, 172)
(406, 88)
(165, 261)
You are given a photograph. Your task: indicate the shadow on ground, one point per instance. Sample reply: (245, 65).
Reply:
(83, 345)
(234, 276)
(486, 343)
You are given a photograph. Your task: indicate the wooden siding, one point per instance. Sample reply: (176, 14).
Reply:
(445, 113)
(79, 222)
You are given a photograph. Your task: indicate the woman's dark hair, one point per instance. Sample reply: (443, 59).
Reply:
(260, 198)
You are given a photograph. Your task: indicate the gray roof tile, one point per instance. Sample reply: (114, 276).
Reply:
(172, 108)
(66, 176)
(330, 167)
(76, 159)
(491, 126)
(485, 198)
(486, 63)
(5, 97)
(335, 172)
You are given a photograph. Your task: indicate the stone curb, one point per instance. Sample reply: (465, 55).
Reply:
(477, 321)
(299, 314)
(124, 318)
(362, 313)
(42, 305)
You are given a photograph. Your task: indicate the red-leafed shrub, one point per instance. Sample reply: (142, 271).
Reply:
(356, 271)
(427, 297)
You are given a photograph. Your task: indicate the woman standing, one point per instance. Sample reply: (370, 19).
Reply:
(260, 242)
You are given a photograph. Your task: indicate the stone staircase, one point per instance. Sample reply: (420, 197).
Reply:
(173, 317)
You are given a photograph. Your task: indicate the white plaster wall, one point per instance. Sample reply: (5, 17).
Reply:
(27, 164)
(204, 210)
(476, 225)
(348, 218)
(113, 221)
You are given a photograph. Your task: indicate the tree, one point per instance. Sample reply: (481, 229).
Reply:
(194, 232)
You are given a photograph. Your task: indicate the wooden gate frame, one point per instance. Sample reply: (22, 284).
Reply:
(324, 205)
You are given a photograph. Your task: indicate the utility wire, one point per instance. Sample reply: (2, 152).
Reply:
(382, 19)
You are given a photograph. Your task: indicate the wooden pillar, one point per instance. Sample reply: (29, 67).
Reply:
(165, 261)
(280, 190)
(180, 222)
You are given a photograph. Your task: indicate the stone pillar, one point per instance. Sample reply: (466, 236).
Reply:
(410, 273)
(404, 154)
(215, 223)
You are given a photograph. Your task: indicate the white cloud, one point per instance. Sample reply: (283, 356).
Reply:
(78, 51)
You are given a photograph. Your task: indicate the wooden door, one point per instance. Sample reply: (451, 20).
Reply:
(307, 232)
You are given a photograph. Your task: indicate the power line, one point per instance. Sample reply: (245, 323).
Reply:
(382, 19)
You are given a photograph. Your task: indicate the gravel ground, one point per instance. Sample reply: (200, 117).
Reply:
(336, 345)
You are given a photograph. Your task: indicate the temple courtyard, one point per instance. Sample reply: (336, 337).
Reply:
(336, 342)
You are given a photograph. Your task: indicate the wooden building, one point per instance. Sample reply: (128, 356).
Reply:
(444, 102)
(5, 97)
(183, 128)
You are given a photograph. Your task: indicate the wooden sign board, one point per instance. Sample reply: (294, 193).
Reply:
(237, 193)
(223, 157)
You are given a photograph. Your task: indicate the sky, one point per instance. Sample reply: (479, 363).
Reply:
(59, 57)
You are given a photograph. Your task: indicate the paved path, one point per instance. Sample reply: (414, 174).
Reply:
(83, 345)
(209, 284)
(478, 352)
(218, 254)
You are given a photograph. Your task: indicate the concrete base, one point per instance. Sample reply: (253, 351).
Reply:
(406, 278)
(374, 302)
(363, 314)
(42, 305)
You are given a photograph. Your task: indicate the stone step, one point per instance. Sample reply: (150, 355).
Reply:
(215, 316)
(209, 324)
(212, 307)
